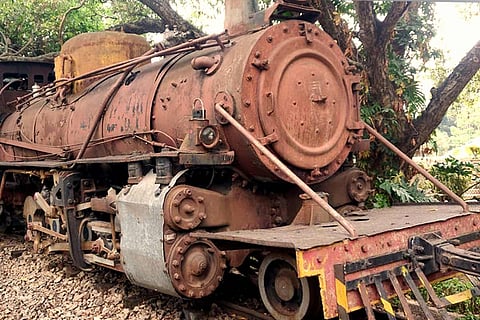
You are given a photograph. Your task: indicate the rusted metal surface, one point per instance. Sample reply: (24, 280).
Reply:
(302, 94)
(285, 295)
(352, 186)
(287, 172)
(376, 222)
(17, 79)
(90, 51)
(239, 15)
(235, 129)
(196, 267)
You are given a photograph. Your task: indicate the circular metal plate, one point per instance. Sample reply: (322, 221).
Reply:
(301, 99)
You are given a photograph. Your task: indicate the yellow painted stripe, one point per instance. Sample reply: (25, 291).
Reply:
(387, 306)
(459, 297)
(341, 291)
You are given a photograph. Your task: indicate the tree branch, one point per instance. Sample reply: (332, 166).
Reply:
(64, 18)
(140, 27)
(169, 16)
(442, 97)
(333, 24)
(385, 30)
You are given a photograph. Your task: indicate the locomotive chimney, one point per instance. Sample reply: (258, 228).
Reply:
(240, 15)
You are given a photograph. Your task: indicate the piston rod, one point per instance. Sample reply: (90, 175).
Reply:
(282, 167)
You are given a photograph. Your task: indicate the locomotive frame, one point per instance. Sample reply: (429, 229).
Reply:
(204, 163)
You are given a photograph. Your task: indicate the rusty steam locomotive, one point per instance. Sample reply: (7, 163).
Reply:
(231, 152)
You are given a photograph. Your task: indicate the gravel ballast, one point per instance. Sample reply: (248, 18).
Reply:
(40, 286)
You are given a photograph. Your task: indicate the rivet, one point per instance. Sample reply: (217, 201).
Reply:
(251, 128)
(269, 39)
(247, 103)
(364, 248)
(285, 29)
(177, 219)
(176, 276)
(257, 54)
(249, 78)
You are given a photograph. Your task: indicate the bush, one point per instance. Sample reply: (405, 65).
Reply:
(457, 175)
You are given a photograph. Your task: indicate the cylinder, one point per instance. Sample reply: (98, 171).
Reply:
(239, 15)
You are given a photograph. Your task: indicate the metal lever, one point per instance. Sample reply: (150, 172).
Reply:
(433, 253)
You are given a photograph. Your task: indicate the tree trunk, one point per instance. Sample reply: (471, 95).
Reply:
(442, 98)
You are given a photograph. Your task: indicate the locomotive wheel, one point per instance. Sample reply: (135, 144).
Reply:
(284, 294)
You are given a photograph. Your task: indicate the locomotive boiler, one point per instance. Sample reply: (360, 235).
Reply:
(231, 152)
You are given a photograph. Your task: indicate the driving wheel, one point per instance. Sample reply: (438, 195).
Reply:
(284, 294)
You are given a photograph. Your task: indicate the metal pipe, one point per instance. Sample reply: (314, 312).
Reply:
(9, 84)
(282, 167)
(422, 171)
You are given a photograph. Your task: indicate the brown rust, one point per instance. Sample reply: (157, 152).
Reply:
(291, 176)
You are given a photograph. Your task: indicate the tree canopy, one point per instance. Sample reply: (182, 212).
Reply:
(382, 39)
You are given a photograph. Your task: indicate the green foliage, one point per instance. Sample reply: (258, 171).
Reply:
(457, 126)
(403, 75)
(32, 26)
(398, 190)
(470, 309)
(455, 174)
